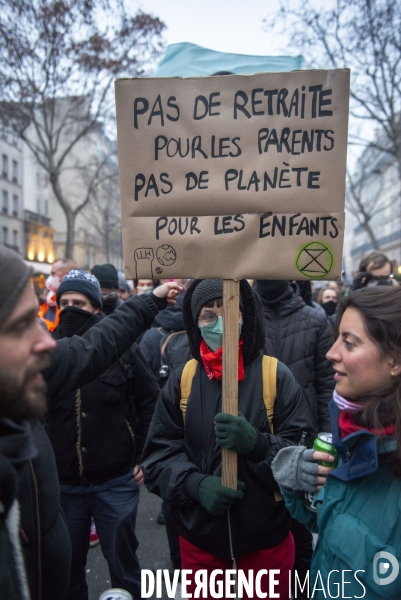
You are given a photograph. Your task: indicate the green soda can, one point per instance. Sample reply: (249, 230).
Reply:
(323, 443)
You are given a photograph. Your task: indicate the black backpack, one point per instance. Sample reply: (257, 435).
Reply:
(174, 352)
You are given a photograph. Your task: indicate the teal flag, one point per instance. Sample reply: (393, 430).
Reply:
(190, 60)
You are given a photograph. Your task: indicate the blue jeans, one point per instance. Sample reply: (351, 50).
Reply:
(114, 513)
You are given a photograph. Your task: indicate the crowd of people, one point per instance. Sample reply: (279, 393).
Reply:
(107, 384)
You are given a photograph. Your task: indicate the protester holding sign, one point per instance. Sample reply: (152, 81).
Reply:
(358, 509)
(182, 455)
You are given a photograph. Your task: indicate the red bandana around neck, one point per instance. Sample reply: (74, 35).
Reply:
(213, 361)
(347, 426)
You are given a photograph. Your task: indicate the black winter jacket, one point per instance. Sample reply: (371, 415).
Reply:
(177, 352)
(16, 451)
(300, 337)
(44, 532)
(75, 362)
(91, 429)
(177, 457)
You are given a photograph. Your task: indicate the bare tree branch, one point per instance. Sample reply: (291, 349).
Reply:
(364, 35)
(59, 59)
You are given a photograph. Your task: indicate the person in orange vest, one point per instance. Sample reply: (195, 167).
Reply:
(49, 312)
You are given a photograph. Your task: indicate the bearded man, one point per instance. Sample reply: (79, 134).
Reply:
(34, 543)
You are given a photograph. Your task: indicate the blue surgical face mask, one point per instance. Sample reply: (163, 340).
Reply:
(213, 334)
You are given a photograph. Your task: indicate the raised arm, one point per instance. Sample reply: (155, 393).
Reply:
(78, 360)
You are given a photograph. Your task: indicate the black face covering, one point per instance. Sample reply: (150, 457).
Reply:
(109, 301)
(330, 307)
(75, 321)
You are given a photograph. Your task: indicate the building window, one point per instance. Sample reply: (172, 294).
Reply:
(5, 166)
(15, 206)
(14, 136)
(5, 202)
(46, 208)
(5, 235)
(38, 206)
(15, 239)
(4, 130)
(15, 171)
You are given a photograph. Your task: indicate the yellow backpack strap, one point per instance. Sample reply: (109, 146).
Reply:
(186, 383)
(269, 370)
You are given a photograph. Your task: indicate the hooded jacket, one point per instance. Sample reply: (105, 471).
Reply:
(91, 428)
(166, 322)
(358, 516)
(177, 457)
(300, 336)
(16, 449)
(75, 362)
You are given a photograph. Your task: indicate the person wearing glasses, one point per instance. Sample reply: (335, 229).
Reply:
(181, 460)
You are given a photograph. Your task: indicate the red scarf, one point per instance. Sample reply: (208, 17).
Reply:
(347, 426)
(213, 361)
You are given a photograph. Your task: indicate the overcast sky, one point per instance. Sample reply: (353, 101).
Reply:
(230, 26)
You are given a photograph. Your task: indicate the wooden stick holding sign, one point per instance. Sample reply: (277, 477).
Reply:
(231, 294)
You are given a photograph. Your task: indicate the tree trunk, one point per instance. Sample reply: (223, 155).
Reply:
(70, 215)
(69, 244)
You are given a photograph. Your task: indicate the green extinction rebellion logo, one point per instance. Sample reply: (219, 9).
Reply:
(315, 260)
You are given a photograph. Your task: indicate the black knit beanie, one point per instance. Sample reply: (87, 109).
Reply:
(80, 281)
(208, 289)
(107, 275)
(14, 275)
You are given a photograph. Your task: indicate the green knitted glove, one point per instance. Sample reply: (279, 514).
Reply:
(235, 433)
(217, 498)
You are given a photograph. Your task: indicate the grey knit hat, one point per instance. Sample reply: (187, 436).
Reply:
(208, 289)
(80, 281)
(14, 275)
(122, 283)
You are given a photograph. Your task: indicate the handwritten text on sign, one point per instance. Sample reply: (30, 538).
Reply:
(234, 145)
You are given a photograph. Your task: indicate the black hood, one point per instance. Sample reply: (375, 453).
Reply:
(289, 306)
(171, 318)
(273, 292)
(253, 330)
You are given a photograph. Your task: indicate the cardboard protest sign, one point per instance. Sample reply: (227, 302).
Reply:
(234, 176)
(235, 245)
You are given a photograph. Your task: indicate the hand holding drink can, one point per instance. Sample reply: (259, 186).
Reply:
(323, 443)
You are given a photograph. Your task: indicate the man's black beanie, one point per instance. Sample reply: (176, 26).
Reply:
(14, 275)
(107, 275)
(208, 289)
(78, 280)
